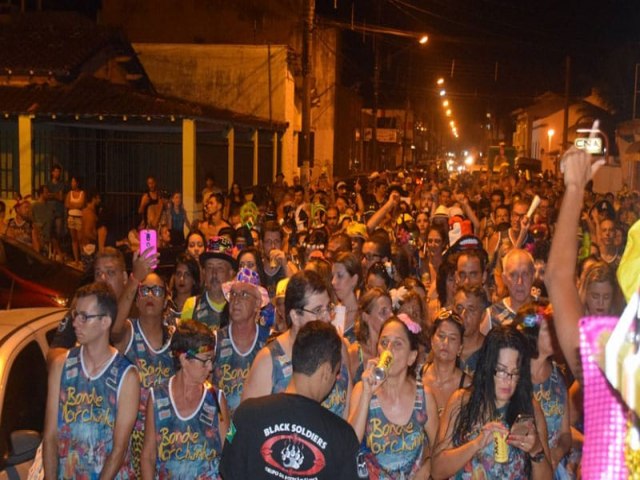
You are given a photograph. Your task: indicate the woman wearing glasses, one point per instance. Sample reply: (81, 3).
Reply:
(478, 419)
(441, 373)
(144, 340)
(395, 417)
(187, 418)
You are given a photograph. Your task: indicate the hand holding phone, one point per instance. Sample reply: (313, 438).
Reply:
(523, 425)
(149, 240)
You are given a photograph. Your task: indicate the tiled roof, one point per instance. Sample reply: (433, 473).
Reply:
(91, 97)
(48, 42)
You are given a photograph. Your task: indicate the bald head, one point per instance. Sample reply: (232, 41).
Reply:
(517, 273)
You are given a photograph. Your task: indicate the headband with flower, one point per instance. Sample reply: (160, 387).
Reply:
(412, 326)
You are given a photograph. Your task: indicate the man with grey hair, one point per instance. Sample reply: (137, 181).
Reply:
(517, 274)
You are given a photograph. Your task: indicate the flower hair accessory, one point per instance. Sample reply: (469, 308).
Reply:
(410, 324)
(397, 296)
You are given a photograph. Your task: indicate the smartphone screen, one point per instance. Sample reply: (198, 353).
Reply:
(149, 239)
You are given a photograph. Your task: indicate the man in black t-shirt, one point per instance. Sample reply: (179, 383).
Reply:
(290, 435)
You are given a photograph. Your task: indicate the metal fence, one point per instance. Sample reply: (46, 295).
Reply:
(9, 162)
(113, 161)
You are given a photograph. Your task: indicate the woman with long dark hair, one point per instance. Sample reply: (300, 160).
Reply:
(477, 420)
(184, 283)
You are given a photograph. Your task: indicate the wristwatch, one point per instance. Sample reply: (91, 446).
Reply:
(538, 457)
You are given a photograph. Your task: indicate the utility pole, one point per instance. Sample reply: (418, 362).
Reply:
(567, 88)
(374, 110)
(307, 69)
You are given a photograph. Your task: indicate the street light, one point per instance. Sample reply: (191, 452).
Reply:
(448, 112)
(551, 132)
(443, 92)
(424, 39)
(440, 81)
(445, 104)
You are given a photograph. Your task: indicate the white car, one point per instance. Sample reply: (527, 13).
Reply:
(25, 335)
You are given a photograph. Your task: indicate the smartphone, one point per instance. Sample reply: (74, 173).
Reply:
(149, 239)
(522, 425)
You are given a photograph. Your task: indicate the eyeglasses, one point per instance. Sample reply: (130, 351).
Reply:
(504, 375)
(242, 295)
(83, 317)
(203, 361)
(320, 312)
(155, 290)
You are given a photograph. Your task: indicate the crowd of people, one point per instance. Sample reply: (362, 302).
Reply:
(390, 326)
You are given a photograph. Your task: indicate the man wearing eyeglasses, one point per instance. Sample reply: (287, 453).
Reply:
(289, 435)
(306, 299)
(93, 396)
(109, 268)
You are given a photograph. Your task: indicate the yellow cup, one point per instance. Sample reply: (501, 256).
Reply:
(500, 447)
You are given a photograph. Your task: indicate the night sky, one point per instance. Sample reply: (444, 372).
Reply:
(503, 52)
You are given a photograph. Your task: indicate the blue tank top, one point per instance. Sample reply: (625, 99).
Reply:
(231, 367)
(552, 396)
(187, 447)
(154, 368)
(394, 450)
(87, 412)
(281, 376)
(350, 334)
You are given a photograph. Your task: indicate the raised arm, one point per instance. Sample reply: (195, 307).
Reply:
(560, 273)
(378, 217)
(121, 329)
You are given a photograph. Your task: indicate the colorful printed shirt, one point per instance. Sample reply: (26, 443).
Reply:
(395, 451)
(188, 448)
(154, 367)
(281, 376)
(231, 367)
(484, 466)
(552, 396)
(86, 416)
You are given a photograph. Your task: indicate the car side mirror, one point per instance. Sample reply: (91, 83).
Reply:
(24, 444)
